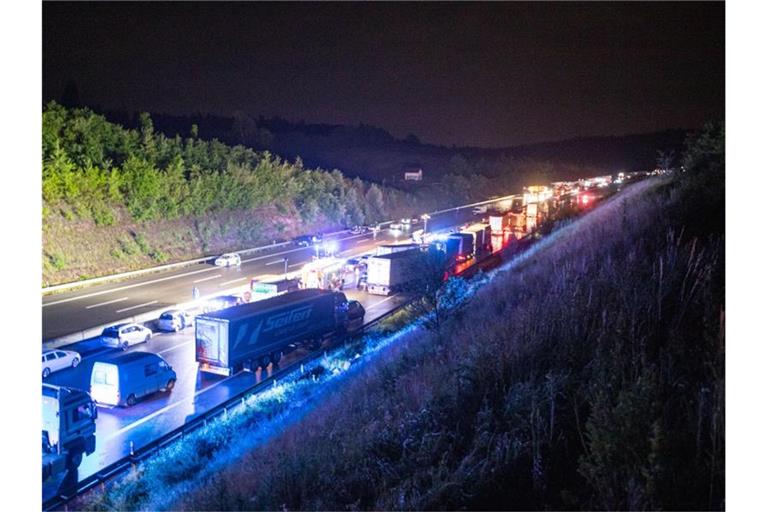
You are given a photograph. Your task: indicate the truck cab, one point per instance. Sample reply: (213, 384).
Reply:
(69, 428)
(350, 314)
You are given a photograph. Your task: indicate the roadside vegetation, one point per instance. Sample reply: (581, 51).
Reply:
(588, 373)
(105, 186)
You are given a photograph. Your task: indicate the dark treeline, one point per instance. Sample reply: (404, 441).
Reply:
(374, 154)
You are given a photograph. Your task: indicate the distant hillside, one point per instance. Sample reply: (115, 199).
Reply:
(372, 153)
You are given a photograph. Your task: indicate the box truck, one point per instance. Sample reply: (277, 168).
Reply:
(257, 334)
(481, 234)
(388, 273)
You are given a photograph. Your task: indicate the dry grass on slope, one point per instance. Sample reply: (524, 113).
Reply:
(588, 375)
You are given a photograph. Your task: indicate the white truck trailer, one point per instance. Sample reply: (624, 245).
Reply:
(389, 272)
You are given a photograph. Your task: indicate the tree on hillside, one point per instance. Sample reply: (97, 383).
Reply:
(147, 136)
(374, 204)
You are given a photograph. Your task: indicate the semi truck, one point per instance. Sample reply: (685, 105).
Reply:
(481, 234)
(500, 222)
(69, 428)
(392, 248)
(389, 272)
(256, 334)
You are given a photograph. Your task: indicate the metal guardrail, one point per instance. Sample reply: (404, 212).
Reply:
(124, 464)
(180, 264)
(160, 268)
(151, 270)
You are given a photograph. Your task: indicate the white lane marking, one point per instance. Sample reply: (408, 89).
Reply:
(136, 307)
(160, 280)
(175, 347)
(274, 262)
(296, 264)
(161, 411)
(127, 287)
(105, 303)
(225, 283)
(382, 301)
(361, 241)
(206, 278)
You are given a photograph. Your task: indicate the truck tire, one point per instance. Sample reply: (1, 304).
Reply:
(74, 459)
(264, 361)
(46, 372)
(146, 338)
(131, 400)
(125, 345)
(276, 356)
(75, 362)
(169, 385)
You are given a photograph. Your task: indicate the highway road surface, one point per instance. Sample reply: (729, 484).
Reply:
(195, 392)
(77, 310)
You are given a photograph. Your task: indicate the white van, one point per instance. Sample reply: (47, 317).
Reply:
(124, 379)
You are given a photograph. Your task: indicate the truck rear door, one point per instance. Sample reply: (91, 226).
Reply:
(211, 342)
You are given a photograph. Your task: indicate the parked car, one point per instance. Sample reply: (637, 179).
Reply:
(222, 302)
(358, 230)
(174, 320)
(55, 360)
(227, 260)
(124, 379)
(125, 335)
(395, 226)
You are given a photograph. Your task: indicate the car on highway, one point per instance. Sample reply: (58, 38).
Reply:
(124, 335)
(124, 379)
(307, 240)
(354, 265)
(174, 320)
(221, 302)
(55, 360)
(358, 230)
(227, 260)
(395, 226)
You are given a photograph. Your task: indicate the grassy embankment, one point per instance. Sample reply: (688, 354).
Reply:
(588, 373)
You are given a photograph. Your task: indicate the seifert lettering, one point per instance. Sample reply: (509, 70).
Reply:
(289, 317)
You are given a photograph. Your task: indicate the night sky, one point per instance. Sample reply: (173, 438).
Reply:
(484, 74)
